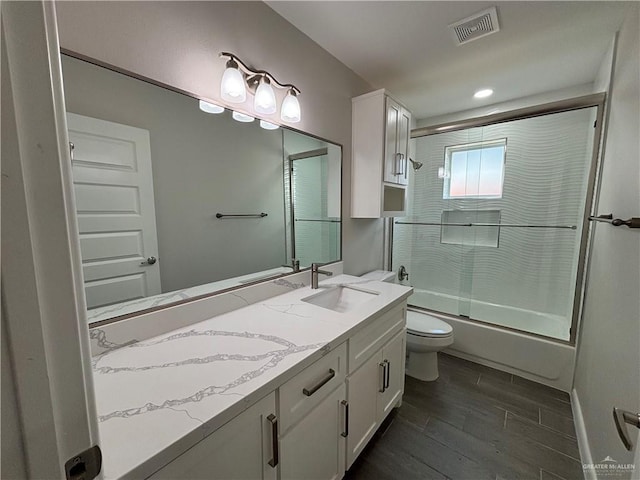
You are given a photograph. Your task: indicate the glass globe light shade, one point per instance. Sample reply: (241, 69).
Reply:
(232, 87)
(265, 99)
(290, 111)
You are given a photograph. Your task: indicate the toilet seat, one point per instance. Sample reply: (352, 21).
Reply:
(424, 325)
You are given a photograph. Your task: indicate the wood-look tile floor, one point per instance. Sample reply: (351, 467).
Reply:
(474, 423)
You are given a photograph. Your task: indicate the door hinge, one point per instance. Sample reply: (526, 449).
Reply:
(85, 465)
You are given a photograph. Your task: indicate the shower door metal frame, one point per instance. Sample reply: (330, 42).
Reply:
(597, 100)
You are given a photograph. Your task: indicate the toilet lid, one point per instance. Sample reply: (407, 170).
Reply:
(427, 326)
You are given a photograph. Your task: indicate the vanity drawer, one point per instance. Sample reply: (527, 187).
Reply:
(307, 389)
(371, 339)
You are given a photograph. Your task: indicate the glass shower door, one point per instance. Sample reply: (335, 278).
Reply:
(528, 282)
(493, 230)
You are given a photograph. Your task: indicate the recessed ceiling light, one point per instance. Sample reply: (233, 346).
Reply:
(487, 92)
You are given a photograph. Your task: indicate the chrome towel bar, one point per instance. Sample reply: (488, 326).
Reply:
(509, 225)
(241, 215)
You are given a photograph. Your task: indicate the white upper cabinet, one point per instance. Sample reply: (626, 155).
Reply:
(380, 158)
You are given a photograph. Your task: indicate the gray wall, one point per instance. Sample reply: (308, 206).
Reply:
(202, 164)
(178, 43)
(608, 364)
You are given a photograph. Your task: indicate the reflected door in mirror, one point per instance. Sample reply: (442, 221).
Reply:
(115, 209)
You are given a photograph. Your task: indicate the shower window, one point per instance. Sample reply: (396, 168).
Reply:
(475, 170)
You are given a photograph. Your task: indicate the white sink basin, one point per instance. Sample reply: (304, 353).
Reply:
(341, 298)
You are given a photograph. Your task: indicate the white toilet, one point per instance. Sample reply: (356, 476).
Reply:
(426, 336)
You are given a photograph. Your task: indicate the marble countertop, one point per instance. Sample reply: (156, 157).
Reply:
(158, 397)
(105, 313)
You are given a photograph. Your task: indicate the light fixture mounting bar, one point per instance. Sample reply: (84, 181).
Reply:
(254, 76)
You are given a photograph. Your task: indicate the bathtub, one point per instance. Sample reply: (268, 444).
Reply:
(542, 360)
(549, 325)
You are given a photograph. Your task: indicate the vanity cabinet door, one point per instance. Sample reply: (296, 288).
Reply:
(241, 449)
(364, 386)
(393, 359)
(314, 448)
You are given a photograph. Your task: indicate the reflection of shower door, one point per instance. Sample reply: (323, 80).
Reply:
(315, 233)
(113, 188)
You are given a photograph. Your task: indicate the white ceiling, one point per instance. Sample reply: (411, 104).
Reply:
(407, 48)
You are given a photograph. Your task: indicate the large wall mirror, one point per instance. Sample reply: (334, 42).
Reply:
(174, 203)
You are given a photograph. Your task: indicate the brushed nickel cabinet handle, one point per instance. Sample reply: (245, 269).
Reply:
(310, 391)
(387, 377)
(273, 420)
(345, 404)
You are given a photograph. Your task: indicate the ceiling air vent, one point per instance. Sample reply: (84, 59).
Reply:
(476, 26)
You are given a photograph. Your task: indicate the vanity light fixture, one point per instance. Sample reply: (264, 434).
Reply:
(238, 78)
(210, 107)
(268, 126)
(484, 93)
(241, 117)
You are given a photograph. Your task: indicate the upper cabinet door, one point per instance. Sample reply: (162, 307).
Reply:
(391, 153)
(402, 136)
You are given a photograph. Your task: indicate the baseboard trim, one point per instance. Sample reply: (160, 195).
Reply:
(583, 439)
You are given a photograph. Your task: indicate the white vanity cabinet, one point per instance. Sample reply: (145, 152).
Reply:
(381, 129)
(376, 377)
(242, 449)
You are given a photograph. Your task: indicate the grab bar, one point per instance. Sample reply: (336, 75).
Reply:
(633, 222)
(241, 215)
(509, 225)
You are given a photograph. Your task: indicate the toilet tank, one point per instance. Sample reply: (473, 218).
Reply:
(380, 275)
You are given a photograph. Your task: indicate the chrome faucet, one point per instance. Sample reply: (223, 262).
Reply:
(314, 274)
(295, 265)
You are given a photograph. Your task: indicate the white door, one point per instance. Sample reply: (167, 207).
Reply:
(314, 449)
(113, 186)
